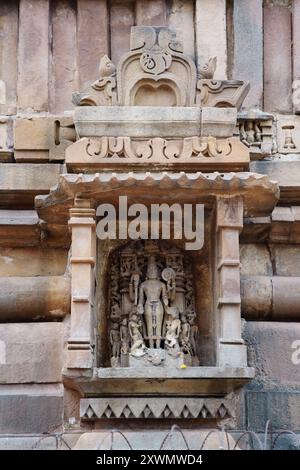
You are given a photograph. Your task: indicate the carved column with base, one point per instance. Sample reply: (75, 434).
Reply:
(231, 351)
(81, 343)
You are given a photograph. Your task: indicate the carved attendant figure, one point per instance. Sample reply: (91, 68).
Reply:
(153, 308)
(115, 342)
(138, 347)
(124, 336)
(172, 335)
(185, 335)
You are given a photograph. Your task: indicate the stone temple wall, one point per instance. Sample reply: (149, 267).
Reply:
(48, 50)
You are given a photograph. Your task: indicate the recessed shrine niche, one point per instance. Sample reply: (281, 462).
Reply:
(152, 313)
(149, 319)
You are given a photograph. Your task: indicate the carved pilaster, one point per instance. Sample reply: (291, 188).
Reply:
(229, 223)
(83, 255)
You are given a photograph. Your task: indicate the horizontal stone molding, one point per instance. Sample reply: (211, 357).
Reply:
(271, 298)
(34, 298)
(156, 407)
(126, 152)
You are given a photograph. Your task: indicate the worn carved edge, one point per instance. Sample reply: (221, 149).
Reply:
(157, 407)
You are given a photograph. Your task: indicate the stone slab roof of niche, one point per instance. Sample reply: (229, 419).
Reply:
(155, 110)
(259, 193)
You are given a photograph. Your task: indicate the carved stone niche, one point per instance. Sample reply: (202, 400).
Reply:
(152, 314)
(155, 109)
(148, 318)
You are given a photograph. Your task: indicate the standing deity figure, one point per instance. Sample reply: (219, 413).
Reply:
(153, 308)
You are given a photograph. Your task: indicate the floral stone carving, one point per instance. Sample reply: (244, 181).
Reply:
(152, 307)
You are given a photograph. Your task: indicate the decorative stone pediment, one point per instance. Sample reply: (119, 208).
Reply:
(155, 108)
(156, 73)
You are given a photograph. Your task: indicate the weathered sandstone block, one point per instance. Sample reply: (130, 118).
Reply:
(181, 19)
(34, 298)
(277, 85)
(20, 183)
(8, 56)
(31, 408)
(211, 34)
(64, 45)
(255, 260)
(33, 55)
(33, 261)
(248, 47)
(92, 37)
(31, 352)
(151, 12)
(121, 21)
(270, 352)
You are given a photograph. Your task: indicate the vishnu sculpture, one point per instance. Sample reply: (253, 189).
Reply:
(152, 308)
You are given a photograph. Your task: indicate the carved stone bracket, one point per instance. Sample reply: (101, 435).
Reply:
(221, 94)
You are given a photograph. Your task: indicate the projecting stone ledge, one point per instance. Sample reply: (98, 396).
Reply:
(189, 382)
(21, 182)
(259, 193)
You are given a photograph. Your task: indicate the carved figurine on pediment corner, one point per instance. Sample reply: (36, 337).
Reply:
(207, 70)
(102, 92)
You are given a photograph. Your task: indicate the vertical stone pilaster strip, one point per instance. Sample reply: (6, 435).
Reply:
(63, 74)
(231, 351)
(248, 48)
(296, 55)
(121, 21)
(181, 20)
(92, 38)
(8, 56)
(151, 13)
(277, 58)
(33, 55)
(83, 257)
(211, 37)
